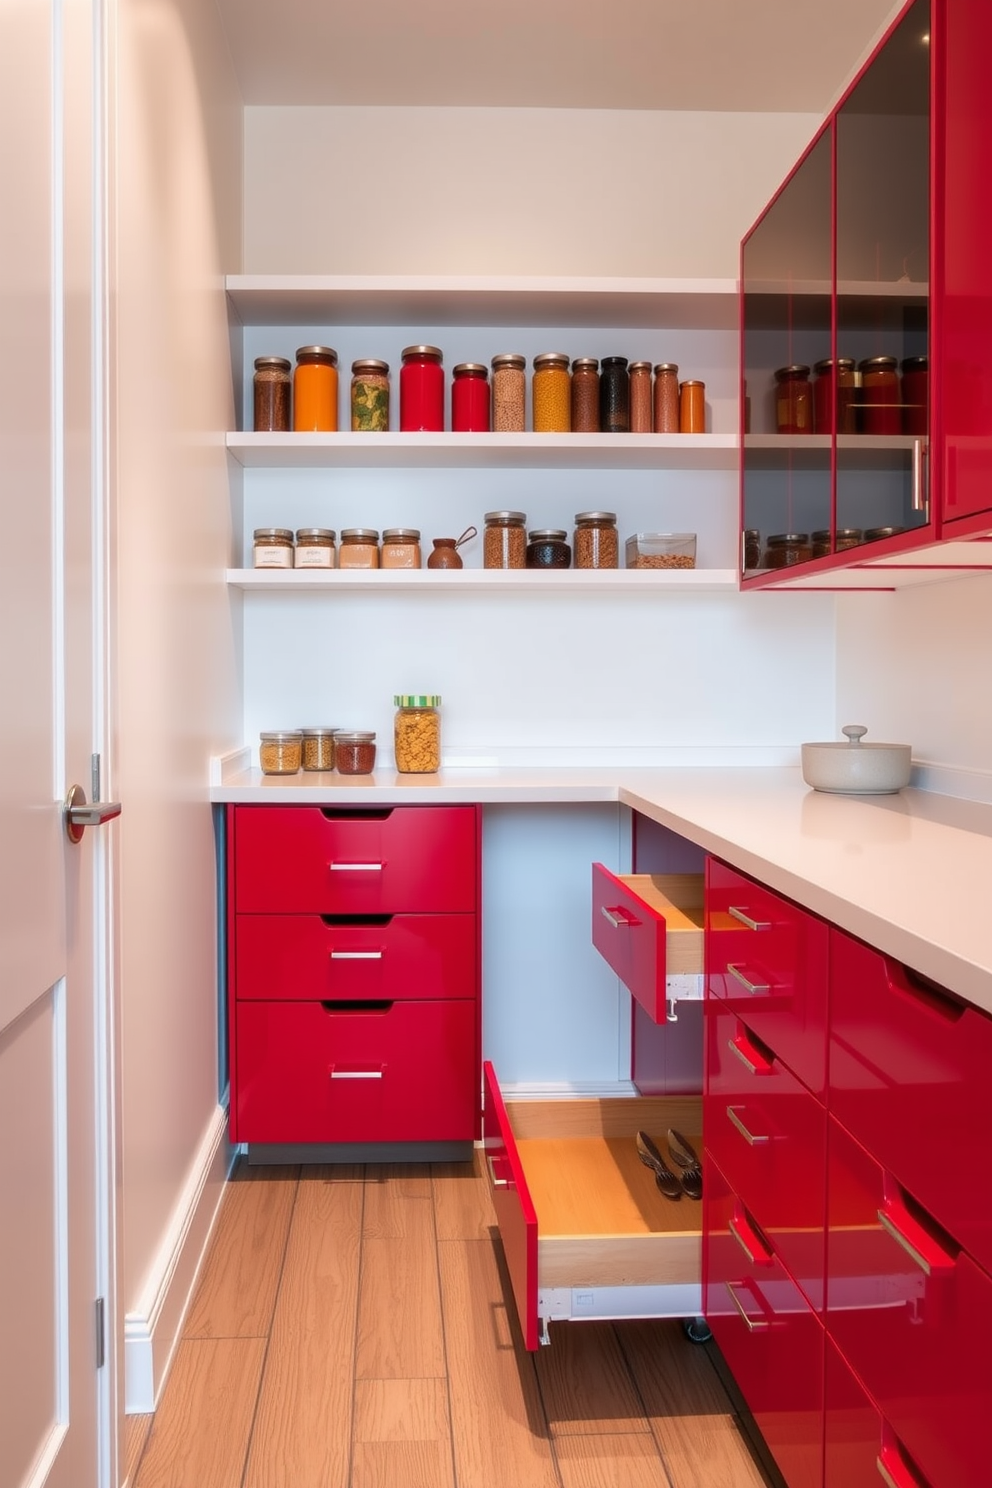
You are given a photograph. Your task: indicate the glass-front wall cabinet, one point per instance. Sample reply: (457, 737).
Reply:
(836, 327)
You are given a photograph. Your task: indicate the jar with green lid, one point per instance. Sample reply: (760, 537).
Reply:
(359, 548)
(280, 751)
(417, 733)
(315, 547)
(318, 748)
(370, 396)
(551, 393)
(509, 392)
(784, 549)
(595, 540)
(272, 547)
(504, 543)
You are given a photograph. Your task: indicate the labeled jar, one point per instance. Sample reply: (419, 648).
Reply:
(272, 393)
(692, 407)
(504, 542)
(370, 396)
(354, 751)
(280, 752)
(509, 392)
(315, 547)
(315, 390)
(595, 540)
(359, 548)
(318, 748)
(783, 549)
(551, 394)
(585, 395)
(793, 400)
(470, 398)
(547, 547)
(666, 398)
(614, 395)
(880, 410)
(844, 538)
(835, 396)
(641, 409)
(417, 733)
(272, 547)
(915, 395)
(400, 548)
(421, 390)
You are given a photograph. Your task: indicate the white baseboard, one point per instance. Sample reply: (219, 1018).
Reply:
(152, 1327)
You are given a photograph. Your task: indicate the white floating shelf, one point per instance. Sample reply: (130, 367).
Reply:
(485, 580)
(493, 451)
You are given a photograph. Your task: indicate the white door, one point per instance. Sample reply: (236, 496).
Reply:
(56, 1400)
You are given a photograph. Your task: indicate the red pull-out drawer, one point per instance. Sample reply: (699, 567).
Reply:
(862, 1450)
(647, 927)
(515, 1211)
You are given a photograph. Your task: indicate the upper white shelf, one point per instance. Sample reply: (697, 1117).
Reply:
(421, 300)
(493, 451)
(485, 580)
(861, 289)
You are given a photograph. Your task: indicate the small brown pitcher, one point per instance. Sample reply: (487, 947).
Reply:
(445, 553)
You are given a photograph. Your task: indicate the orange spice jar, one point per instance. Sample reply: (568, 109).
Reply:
(315, 390)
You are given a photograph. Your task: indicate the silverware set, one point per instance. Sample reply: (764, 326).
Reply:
(687, 1180)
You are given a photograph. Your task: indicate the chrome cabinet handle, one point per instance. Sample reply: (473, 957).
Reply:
(749, 1323)
(746, 919)
(356, 955)
(337, 1074)
(77, 816)
(614, 919)
(920, 497)
(752, 987)
(915, 1254)
(753, 1139)
(356, 867)
(748, 1064)
(496, 1182)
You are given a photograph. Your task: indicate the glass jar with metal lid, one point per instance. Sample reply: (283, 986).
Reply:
(315, 547)
(595, 540)
(614, 395)
(509, 392)
(370, 395)
(793, 400)
(783, 549)
(666, 398)
(272, 547)
(585, 395)
(551, 393)
(641, 410)
(470, 398)
(751, 548)
(354, 751)
(835, 396)
(280, 751)
(315, 390)
(272, 391)
(504, 543)
(880, 409)
(417, 733)
(915, 394)
(318, 748)
(844, 538)
(422, 390)
(400, 548)
(547, 547)
(876, 534)
(359, 548)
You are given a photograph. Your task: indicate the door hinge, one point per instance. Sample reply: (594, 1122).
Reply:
(101, 1333)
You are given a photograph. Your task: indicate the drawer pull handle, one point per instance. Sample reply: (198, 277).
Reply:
(356, 867)
(752, 1325)
(755, 1064)
(894, 1477)
(938, 1261)
(356, 955)
(753, 1139)
(746, 919)
(752, 987)
(617, 918)
(496, 1182)
(337, 1074)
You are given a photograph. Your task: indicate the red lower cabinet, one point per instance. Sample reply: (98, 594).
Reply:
(769, 1335)
(860, 1448)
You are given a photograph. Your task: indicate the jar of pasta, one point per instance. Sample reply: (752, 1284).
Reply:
(551, 393)
(359, 548)
(315, 390)
(400, 548)
(370, 395)
(272, 547)
(315, 547)
(509, 392)
(417, 733)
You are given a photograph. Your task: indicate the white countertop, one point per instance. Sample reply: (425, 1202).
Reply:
(910, 873)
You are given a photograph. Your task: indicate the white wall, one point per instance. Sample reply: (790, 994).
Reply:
(178, 153)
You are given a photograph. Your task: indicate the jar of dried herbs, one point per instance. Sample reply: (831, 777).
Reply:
(370, 395)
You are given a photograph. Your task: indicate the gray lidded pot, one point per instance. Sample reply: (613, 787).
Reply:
(854, 768)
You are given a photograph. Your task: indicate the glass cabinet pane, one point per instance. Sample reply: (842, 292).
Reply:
(883, 271)
(786, 269)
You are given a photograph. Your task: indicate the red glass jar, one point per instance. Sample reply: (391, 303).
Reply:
(793, 400)
(915, 395)
(470, 398)
(421, 391)
(834, 400)
(880, 410)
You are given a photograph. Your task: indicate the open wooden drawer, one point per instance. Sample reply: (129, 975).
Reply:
(649, 927)
(586, 1232)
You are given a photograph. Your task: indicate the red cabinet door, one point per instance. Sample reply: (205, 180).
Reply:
(910, 1078)
(912, 1314)
(312, 1072)
(767, 959)
(860, 1448)
(314, 860)
(515, 1211)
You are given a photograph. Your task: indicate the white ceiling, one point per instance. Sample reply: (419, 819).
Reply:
(751, 55)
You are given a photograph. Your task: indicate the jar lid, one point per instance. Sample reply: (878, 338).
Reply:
(693, 382)
(317, 354)
(417, 700)
(915, 364)
(796, 370)
(353, 736)
(401, 534)
(614, 361)
(359, 534)
(872, 534)
(430, 353)
(666, 367)
(509, 359)
(790, 539)
(318, 532)
(752, 532)
(846, 533)
(276, 363)
(552, 359)
(273, 534)
(595, 516)
(843, 364)
(639, 367)
(470, 369)
(318, 731)
(369, 364)
(585, 364)
(506, 516)
(281, 736)
(878, 364)
(547, 534)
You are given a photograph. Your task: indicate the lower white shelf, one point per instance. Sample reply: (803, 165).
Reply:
(489, 580)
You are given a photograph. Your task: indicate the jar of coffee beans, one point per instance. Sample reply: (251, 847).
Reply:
(505, 540)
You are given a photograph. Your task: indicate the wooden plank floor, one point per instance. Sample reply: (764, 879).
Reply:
(350, 1329)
